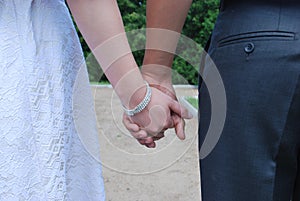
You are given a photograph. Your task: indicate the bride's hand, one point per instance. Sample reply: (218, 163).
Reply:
(172, 117)
(156, 117)
(139, 134)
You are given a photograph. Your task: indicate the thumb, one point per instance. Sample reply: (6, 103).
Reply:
(179, 110)
(130, 126)
(179, 125)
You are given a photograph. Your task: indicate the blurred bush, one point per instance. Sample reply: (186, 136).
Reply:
(198, 26)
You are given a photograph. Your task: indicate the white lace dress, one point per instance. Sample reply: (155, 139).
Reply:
(48, 134)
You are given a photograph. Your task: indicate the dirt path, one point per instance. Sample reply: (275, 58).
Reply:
(134, 173)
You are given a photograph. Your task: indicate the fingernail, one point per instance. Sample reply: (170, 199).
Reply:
(151, 145)
(142, 136)
(183, 137)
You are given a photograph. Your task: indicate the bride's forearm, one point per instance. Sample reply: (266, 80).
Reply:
(101, 25)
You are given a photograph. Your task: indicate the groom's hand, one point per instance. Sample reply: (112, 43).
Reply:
(172, 118)
(157, 116)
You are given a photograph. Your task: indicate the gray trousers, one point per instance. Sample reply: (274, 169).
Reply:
(256, 48)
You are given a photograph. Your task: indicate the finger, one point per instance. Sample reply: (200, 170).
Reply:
(160, 119)
(142, 141)
(179, 126)
(151, 145)
(150, 142)
(159, 136)
(141, 134)
(132, 127)
(180, 110)
(147, 142)
(170, 123)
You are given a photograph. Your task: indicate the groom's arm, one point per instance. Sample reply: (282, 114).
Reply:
(165, 20)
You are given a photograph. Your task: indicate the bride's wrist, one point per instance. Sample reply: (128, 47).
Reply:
(138, 96)
(139, 100)
(130, 88)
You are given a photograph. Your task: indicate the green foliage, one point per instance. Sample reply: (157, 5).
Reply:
(134, 17)
(200, 20)
(193, 101)
(199, 23)
(198, 26)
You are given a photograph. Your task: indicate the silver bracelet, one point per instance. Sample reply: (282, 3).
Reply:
(142, 105)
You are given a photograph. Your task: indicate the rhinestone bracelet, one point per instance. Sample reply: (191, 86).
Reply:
(142, 105)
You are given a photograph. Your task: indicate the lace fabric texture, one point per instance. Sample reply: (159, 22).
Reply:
(42, 156)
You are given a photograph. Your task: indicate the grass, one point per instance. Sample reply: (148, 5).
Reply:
(193, 101)
(100, 83)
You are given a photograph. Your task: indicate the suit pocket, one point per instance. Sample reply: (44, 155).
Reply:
(254, 36)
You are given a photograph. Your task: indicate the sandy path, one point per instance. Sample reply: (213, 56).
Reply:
(134, 173)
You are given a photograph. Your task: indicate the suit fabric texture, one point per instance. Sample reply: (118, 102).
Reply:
(256, 48)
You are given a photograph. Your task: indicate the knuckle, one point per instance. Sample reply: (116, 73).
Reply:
(166, 124)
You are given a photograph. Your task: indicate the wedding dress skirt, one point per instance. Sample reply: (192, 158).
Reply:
(48, 134)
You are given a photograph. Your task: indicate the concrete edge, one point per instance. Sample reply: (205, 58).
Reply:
(180, 86)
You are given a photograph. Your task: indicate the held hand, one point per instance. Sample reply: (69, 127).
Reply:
(159, 76)
(156, 117)
(168, 89)
(163, 112)
(139, 134)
